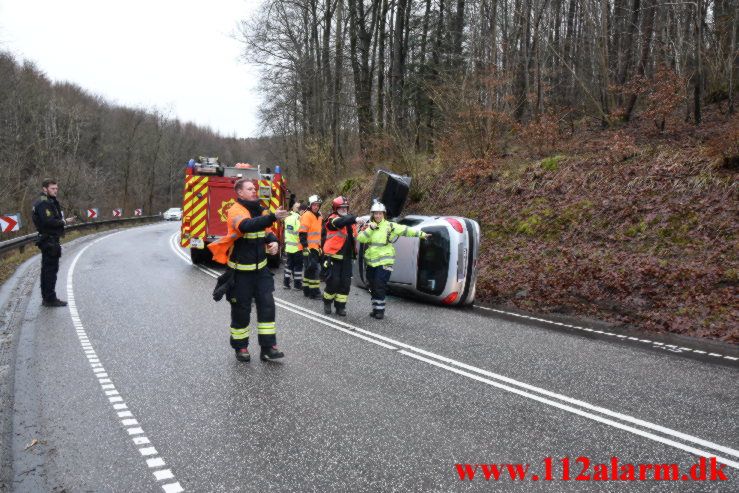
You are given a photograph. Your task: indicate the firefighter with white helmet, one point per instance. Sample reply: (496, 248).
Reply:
(379, 236)
(310, 238)
(339, 253)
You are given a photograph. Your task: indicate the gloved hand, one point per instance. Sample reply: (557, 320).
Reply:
(425, 236)
(315, 251)
(306, 252)
(373, 225)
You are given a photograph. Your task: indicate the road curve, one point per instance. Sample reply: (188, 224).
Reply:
(134, 388)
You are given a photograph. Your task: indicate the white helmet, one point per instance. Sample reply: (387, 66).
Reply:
(314, 199)
(378, 206)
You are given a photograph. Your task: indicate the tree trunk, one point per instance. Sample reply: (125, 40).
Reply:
(336, 89)
(648, 27)
(397, 70)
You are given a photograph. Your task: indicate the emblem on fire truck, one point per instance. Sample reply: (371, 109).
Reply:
(225, 206)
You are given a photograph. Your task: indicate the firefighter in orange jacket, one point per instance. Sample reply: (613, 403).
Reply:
(339, 252)
(244, 250)
(310, 237)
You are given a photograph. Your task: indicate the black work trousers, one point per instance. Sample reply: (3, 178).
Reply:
(377, 278)
(311, 281)
(51, 251)
(338, 281)
(257, 286)
(294, 269)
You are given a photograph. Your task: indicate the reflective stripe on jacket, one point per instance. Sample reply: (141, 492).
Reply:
(243, 251)
(311, 225)
(336, 238)
(380, 250)
(292, 241)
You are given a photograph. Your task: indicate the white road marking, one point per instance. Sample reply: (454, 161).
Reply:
(579, 412)
(621, 336)
(444, 362)
(112, 394)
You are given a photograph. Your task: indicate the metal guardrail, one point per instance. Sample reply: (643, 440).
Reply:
(21, 242)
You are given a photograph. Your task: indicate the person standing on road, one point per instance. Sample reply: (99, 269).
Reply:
(339, 253)
(293, 250)
(310, 238)
(379, 235)
(49, 221)
(244, 249)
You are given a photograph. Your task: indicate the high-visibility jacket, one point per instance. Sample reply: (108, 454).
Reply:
(380, 250)
(292, 240)
(310, 224)
(243, 248)
(336, 237)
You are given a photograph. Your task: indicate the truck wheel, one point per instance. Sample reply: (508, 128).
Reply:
(199, 256)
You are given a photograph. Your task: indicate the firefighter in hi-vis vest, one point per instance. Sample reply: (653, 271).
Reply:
(244, 249)
(293, 250)
(379, 235)
(338, 253)
(310, 237)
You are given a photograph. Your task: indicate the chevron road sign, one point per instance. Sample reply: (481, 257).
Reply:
(92, 213)
(11, 222)
(117, 212)
(137, 212)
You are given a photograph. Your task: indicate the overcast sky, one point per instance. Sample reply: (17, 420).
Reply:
(176, 55)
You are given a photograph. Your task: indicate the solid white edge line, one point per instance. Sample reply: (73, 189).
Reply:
(87, 349)
(346, 331)
(353, 331)
(579, 412)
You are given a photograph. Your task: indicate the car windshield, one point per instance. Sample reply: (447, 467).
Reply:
(433, 261)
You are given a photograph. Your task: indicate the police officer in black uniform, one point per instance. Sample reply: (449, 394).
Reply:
(47, 216)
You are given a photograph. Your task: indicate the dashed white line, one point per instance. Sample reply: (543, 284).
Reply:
(620, 336)
(450, 364)
(131, 425)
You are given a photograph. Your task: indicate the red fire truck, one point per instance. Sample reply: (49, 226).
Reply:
(209, 194)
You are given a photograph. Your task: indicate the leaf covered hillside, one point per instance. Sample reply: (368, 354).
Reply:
(627, 225)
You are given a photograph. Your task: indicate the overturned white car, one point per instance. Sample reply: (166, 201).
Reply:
(442, 269)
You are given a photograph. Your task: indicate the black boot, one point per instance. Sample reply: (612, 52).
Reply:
(54, 302)
(243, 355)
(379, 314)
(270, 353)
(327, 307)
(341, 311)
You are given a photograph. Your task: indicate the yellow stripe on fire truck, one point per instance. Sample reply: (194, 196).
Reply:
(195, 207)
(265, 192)
(275, 198)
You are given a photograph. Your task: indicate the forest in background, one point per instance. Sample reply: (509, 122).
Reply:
(103, 155)
(350, 83)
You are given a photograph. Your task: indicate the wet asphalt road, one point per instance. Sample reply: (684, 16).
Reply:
(356, 405)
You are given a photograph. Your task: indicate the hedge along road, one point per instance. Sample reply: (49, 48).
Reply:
(357, 404)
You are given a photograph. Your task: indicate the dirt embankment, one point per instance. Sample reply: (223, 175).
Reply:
(628, 226)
